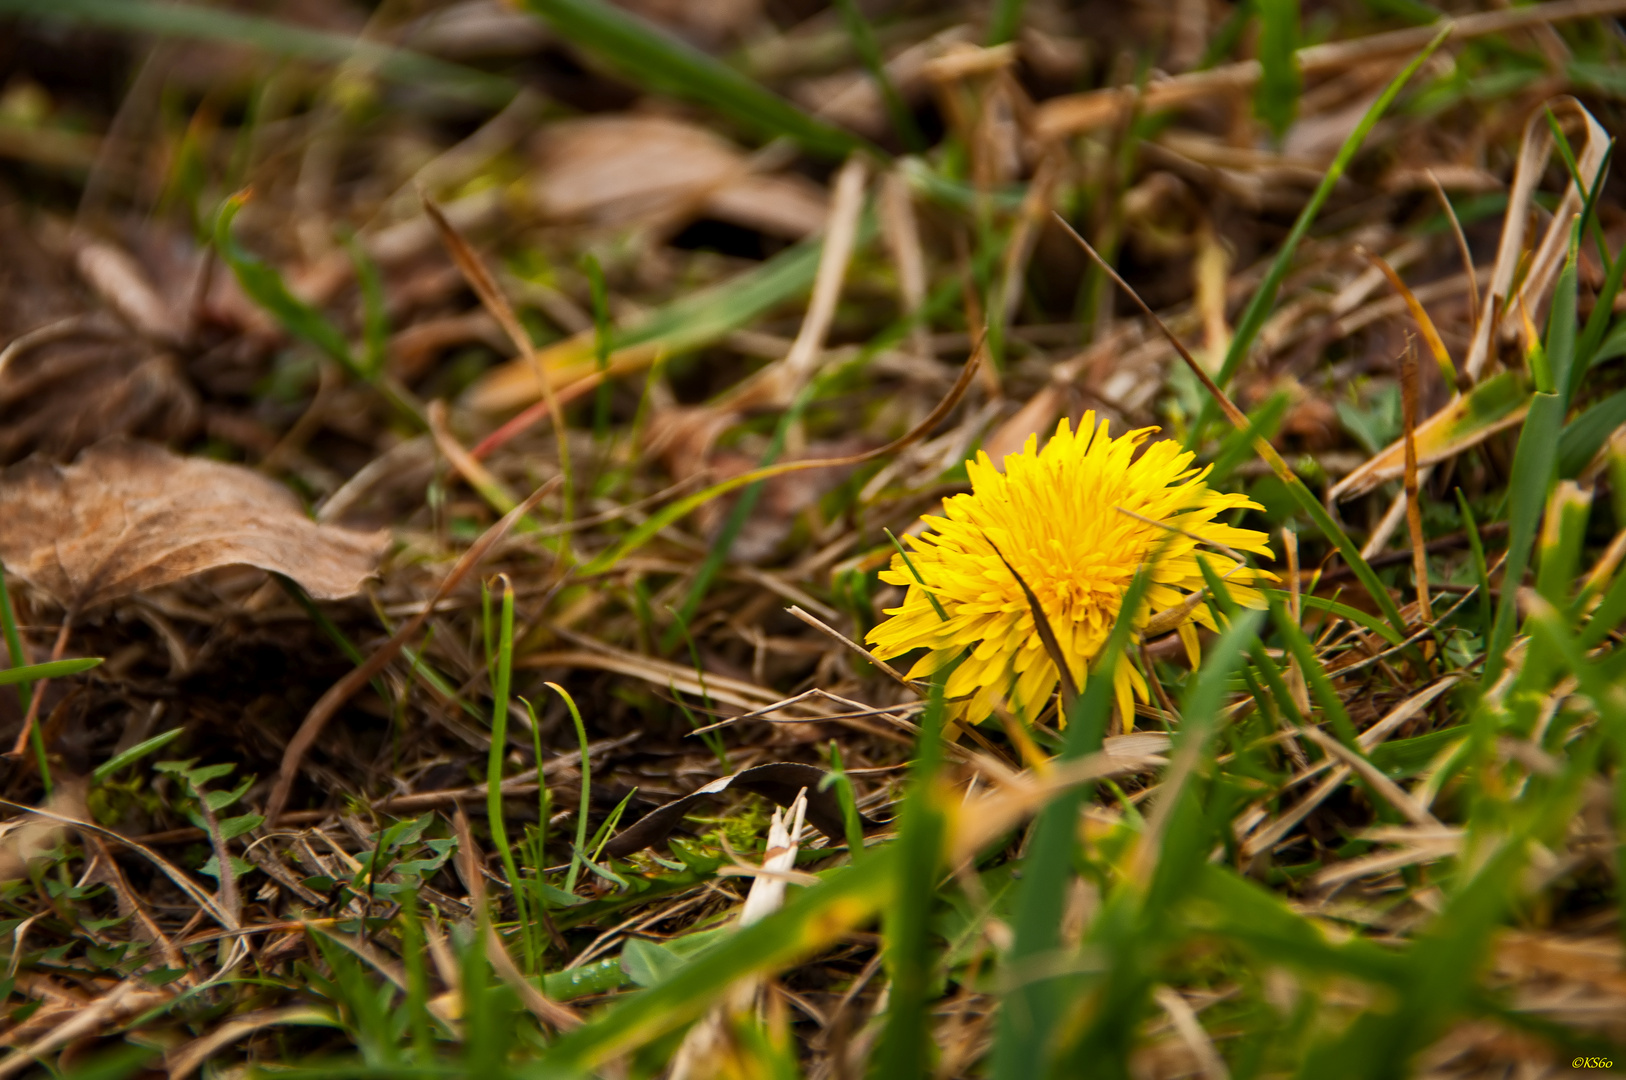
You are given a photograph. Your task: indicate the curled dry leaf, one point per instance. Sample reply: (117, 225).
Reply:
(128, 516)
(599, 171)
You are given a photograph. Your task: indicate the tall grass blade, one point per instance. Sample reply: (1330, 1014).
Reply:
(1276, 98)
(1535, 461)
(264, 285)
(661, 62)
(494, 759)
(1135, 920)
(1029, 1014)
(1005, 20)
(586, 786)
(904, 1051)
(16, 657)
(1253, 317)
(51, 669)
(869, 54)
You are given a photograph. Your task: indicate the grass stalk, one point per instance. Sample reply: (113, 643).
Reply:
(494, 767)
(586, 788)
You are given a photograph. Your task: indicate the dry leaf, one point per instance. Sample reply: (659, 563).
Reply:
(615, 170)
(128, 516)
(70, 374)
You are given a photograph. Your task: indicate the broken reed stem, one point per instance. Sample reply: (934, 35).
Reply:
(1414, 510)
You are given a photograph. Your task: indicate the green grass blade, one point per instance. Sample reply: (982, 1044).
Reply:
(852, 828)
(1184, 850)
(1005, 20)
(808, 922)
(264, 285)
(1584, 436)
(661, 62)
(1559, 345)
(1325, 694)
(1535, 461)
(112, 765)
(1138, 916)
(1276, 99)
(1253, 317)
(738, 515)
(375, 319)
(494, 760)
(1346, 548)
(1343, 611)
(1607, 615)
(200, 23)
(904, 1050)
(1597, 323)
(14, 641)
(52, 669)
(586, 786)
(1476, 548)
(869, 53)
(1030, 1013)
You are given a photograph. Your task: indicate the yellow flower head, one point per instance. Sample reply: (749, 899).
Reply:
(1054, 514)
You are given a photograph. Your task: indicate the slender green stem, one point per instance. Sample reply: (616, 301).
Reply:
(14, 641)
(586, 786)
(499, 744)
(869, 54)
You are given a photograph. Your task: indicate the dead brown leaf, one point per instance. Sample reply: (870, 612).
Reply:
(598, 171)
(128, 516)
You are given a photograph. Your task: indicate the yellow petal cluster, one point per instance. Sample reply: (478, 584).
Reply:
(1054, 514)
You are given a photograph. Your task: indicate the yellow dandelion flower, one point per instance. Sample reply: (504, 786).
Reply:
(1053, 513)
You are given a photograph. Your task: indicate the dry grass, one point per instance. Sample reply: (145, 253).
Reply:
(639, 367)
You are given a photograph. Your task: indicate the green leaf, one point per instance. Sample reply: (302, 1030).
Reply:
(1535, 461)
(647, 963)
(14, 645)
(233, 827)
(219, 800)
(657, 61)
(1613, 346)
(238, 867)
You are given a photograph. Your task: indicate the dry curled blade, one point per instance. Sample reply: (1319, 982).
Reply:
(1047, 635)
